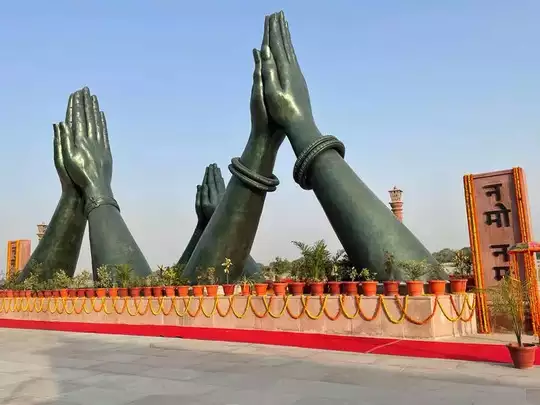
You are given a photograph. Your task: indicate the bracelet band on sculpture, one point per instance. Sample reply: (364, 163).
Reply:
(306, 158)
(94, 202)
(267, 181)
(252, 179)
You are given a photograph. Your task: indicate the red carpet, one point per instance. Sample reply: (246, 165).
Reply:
(494, 353)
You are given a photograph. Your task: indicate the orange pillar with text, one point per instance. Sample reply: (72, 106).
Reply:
(18, 254)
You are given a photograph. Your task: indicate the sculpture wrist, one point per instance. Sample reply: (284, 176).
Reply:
(302, 134)
(259, 154)
(310, 153)
(251, 178)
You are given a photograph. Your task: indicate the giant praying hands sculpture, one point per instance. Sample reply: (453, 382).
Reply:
(227, 217)
(280, 104)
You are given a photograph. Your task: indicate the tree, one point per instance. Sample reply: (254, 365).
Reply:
(445, 255)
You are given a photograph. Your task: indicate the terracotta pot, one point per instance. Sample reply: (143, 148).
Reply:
(183, 290)
(101, 292)
(72, 292)
(40, 294)
(157, 291)
(280, 288)
(113, 292)
(55, 293)
(260, 289)
(81, 292)
(391, 288)
(458, 285)
(28, 293)
(228, 289)
(2, 293)
(296, 287)
(334, 287)
(369, 288)
(522, 356)
(415, 288)
(47, 293)
(198, 290)
(316, 288)
(437, 287)
(63, 292)
(169, 291)
(89, 292)
(135, 291)
(246, 289)
(9, 293)
(16, 293)
(350, 287)
(123, 292)
(211, 290)
(147, 291)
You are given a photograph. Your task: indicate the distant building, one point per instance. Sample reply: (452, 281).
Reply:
(18, 254)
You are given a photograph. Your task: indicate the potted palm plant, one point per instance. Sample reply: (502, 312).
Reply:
(390, 286)
(315, 260)
(510, 299)
(414, 270)
(123, 275)
(246, 283)
(369, 285)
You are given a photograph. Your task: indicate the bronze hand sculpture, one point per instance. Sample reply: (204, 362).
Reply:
(232, 228)
(60, 246)
(364, 225)
(209, 194)
(87, 158)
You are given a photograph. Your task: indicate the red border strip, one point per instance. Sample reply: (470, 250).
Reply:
(357, 344)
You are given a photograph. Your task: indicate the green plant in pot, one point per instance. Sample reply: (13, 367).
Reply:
(169, 276)
(81, 281)
(315, 261)
(122, 276)
(414, 270)
(510, 299)
(369, 283)
(61, 281)
(105, 281)
(228, 289)
(390, 285)
(437, 275)
(210, 280)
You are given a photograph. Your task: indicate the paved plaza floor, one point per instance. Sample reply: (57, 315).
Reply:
(38, 367)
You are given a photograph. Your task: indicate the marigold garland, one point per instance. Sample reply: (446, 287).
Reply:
(166, 305)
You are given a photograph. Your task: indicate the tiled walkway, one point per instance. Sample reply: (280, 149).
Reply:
(38, 367)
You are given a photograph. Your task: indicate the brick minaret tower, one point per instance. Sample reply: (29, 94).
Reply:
(396, 204)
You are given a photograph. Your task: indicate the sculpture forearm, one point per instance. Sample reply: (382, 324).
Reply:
(61, 244)
(362, 222)
(232, 228)
(111, 243)
(188, 251)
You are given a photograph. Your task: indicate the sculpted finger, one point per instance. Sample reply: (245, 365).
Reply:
(69, 111)
(89, 112)
(205, 198)
(97, 119)
(257, 89)
(271, 84)
(286, 34)
(198, 201)
(278, 48)
(58, 158)
(66, 139)
(220, 183)
(79, 117)
(105, 131)
(212, 189)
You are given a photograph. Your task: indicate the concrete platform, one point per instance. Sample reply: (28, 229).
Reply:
(38, 367)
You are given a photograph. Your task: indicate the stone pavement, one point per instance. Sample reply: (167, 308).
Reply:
(38, 367)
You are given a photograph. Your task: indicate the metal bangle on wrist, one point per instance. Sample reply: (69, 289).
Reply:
(308, 155)
(92, 203)
(252, 179)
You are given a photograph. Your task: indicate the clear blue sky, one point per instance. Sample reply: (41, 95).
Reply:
(421, 92)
